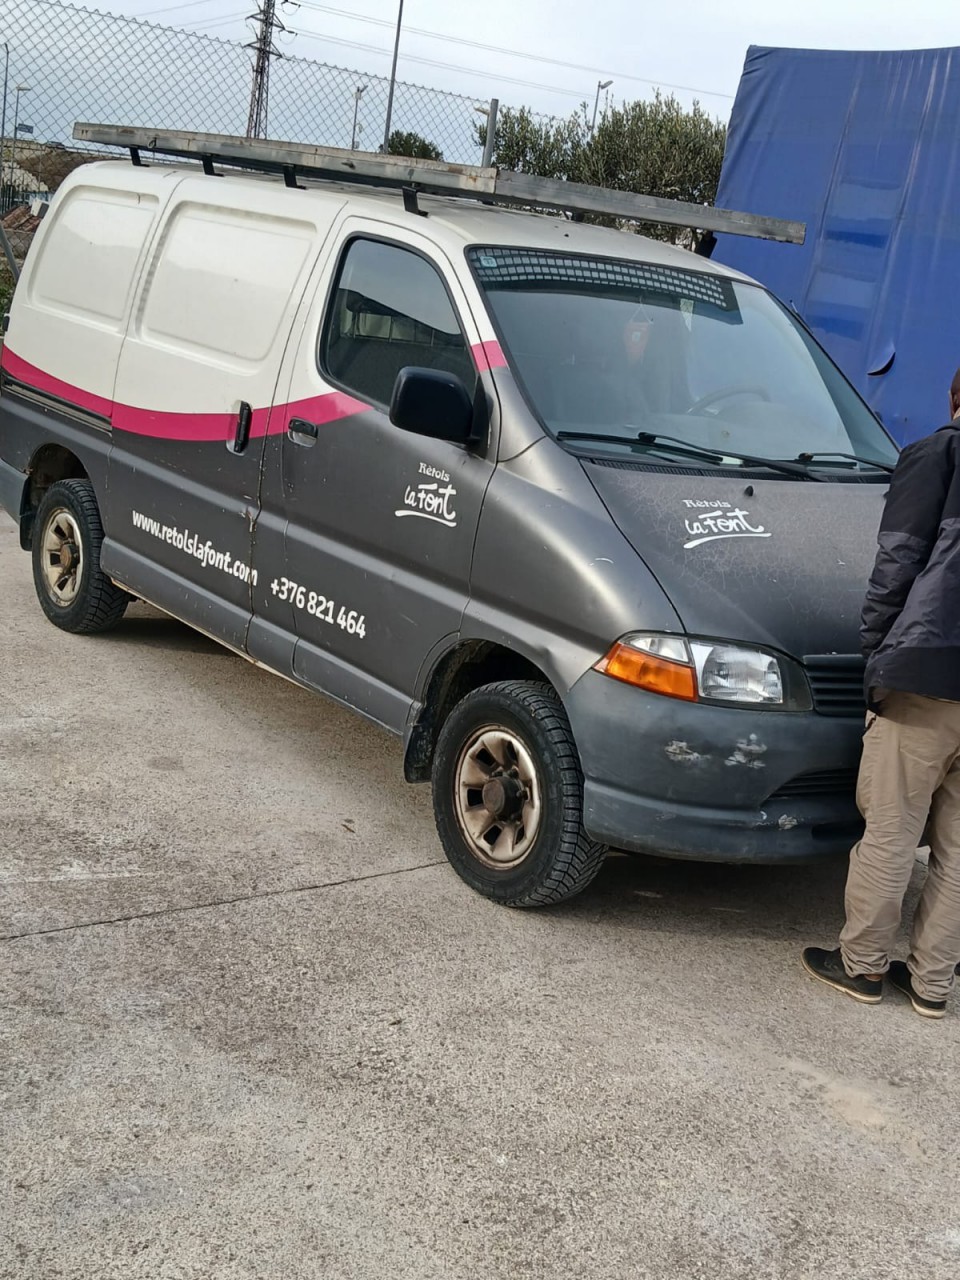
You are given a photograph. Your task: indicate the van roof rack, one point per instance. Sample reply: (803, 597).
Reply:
(435, 177)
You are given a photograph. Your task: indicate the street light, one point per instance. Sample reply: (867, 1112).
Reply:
(357, 94)
(18, 89)
(601, 84)
(490, 112)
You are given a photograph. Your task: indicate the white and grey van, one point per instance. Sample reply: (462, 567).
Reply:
(584, 518)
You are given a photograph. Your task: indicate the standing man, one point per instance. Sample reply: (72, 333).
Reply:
(910, 770)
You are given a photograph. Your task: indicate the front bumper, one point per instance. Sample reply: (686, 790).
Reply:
(690, 780)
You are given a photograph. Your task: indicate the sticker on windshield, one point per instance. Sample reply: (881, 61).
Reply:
(715, 521)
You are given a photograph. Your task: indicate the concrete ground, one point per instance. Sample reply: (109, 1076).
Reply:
(254, 1027)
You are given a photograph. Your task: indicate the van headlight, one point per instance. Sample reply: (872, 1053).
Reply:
(707, 671)
(727, 673)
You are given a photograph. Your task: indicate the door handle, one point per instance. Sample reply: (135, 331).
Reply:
(242, 436)
(302, 432)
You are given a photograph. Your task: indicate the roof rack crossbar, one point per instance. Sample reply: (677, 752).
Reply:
(435, 177)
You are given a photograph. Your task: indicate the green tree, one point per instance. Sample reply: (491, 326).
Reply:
(530, 144)
(659, 149)
(655, 147)
(413, 145)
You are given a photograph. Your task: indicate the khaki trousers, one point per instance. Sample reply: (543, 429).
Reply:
(910, 771)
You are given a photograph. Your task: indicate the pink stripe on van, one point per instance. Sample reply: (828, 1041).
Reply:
(489, 355)
(329, 407)
(28, 373)
(198, 428)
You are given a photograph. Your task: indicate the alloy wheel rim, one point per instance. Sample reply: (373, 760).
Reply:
(62, 557)
(497, 797)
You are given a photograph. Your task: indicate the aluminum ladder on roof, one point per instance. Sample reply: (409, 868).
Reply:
(434, 177)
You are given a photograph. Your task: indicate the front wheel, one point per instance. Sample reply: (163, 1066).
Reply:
(508, 796)
(74, 592)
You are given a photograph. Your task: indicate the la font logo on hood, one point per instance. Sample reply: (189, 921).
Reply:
(708, 521)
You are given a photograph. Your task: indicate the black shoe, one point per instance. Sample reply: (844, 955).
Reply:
(827, 966)
(901, 978)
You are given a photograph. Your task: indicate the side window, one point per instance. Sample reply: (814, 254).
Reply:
(389, 310)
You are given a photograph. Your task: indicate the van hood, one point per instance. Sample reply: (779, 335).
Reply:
(780, 563)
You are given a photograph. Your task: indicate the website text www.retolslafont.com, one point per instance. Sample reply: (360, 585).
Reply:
(190, 544)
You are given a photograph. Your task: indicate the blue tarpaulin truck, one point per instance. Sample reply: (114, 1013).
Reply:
(863, 147)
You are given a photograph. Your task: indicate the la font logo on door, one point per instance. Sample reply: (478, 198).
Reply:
(431, 499)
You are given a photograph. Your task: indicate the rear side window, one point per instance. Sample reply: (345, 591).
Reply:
(390, 309)
(89, 256)
(223, 282)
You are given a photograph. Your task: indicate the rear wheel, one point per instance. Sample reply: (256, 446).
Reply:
(508, 796)
(74, 592)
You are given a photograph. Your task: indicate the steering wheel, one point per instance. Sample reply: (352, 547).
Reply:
(727, 393)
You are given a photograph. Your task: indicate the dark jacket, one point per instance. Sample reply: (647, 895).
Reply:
(910, 631)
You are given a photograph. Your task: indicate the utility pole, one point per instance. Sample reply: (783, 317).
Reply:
(265, 49)
(393, 82)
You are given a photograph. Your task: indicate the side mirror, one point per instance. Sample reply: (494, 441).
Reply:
(430, 402)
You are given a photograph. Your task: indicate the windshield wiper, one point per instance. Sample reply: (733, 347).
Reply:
(644, 438)
(675, 444)
(683, 448)
(848, 457)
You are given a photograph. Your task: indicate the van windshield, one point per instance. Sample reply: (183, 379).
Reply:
(608, 347)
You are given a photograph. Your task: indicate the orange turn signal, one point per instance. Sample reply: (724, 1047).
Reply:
(647, 671)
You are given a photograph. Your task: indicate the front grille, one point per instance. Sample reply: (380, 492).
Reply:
(836, 681)
(831, 782)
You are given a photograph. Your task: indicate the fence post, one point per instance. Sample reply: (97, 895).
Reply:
(3, 120)
(491, 132)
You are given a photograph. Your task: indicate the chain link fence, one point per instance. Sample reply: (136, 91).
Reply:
(65, 64)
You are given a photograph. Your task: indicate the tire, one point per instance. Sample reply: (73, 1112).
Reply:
(68, 535)
(508, 796)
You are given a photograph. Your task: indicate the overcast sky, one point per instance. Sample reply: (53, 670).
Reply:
(696, 44)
